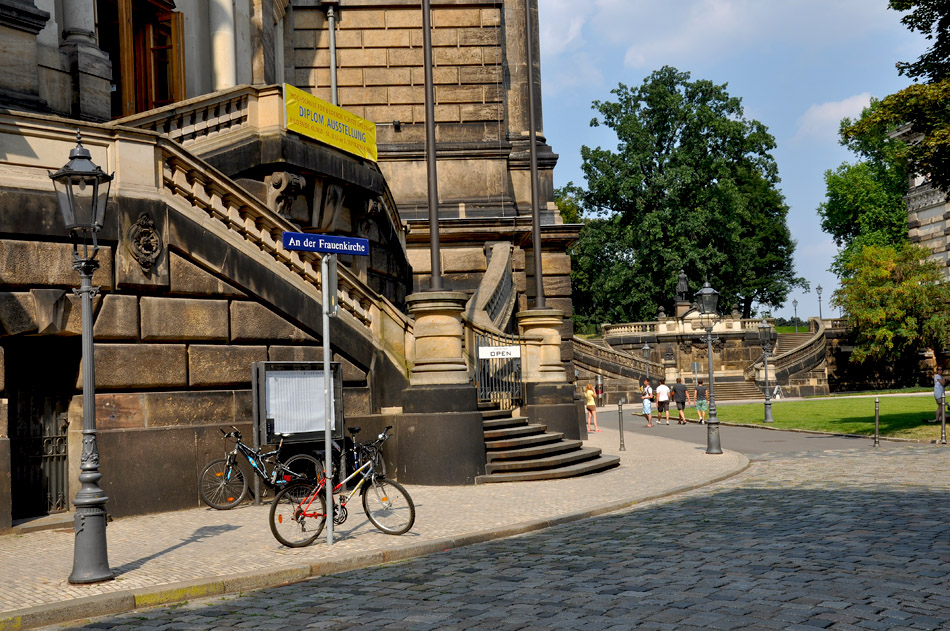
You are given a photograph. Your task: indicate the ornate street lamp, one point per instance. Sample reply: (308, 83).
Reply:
(646, 358)
(83, 192)
(765, 336)
(818, 291)
(708, 300)
(795, 307)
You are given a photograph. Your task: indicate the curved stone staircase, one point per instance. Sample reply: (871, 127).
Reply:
(517, 451)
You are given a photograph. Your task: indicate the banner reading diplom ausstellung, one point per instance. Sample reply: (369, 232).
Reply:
(332, 125)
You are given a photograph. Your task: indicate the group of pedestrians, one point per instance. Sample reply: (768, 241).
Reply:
(679, 395)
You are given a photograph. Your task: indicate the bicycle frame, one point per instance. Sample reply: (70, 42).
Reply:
(321, 486)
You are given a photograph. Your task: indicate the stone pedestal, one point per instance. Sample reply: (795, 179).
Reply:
(549, 398)
(439, 435)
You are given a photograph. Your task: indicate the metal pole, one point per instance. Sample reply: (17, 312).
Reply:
(327, 392)
(436, 282)
(712, 423)
(943, 420)
(331, 22)
(533, 151)
(877, 422)
(90, 552)
(768, 396)
(620, 412)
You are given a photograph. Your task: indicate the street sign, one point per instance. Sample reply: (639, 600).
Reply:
(331, 244)
(499, 352)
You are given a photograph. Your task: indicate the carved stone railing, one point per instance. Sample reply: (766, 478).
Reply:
(494, 301)
(610, 362)
(798, 360)
(678, 326)
(207, 116)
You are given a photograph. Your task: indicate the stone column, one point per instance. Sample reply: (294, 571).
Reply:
(223, 64)
(90, 68)
(549, 399)
(439, 436)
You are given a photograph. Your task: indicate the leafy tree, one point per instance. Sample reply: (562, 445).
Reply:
(864, 202)
(895, 302)
(569, 200)
(924, 107)
(692, 185)
(602, 274)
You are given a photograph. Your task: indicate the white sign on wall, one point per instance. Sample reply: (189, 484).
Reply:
(499, 352)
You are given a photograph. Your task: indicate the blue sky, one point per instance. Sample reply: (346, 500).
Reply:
(799, 66)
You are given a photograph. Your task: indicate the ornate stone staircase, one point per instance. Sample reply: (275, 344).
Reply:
(518, 451)
(790, 341)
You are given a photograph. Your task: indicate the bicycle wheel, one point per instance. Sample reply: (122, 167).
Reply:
(305, 465)
(297, 514)
(388, 506)
(222, 484)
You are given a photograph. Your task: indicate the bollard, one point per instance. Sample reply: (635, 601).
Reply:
(943, 420)
(877, 422)
(620, 412)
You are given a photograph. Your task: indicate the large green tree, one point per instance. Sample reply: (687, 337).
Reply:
(864, 202)
(923, 107)
(692, 185)
(895, 301)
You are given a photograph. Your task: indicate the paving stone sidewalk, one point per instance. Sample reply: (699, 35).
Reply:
(170, 557)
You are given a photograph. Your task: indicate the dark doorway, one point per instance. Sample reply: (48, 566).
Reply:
(41, 374)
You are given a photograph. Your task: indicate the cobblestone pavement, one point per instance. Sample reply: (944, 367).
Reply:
(172, 556)
(856, 539)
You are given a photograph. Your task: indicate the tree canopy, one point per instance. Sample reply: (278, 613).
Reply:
(692, 185)
(864, 202)
(895, 301)
(923, 107)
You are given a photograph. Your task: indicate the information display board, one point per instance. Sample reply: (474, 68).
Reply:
(288, 399)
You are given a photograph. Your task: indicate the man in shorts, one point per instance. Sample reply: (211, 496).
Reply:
(662, 401)
(680, 398)
(702, 401)
(647, 393)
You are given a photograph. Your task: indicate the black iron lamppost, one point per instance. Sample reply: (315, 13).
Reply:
(646, 358)
(765, 336)
(708, 300)
(818, 291)
(83, 192)
(795, 307)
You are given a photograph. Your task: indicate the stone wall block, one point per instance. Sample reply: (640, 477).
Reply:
(139, 366)
(183, 319)
(404, 18)
(16, 313)
(118, 318)
(354, 18)
(479, 36)
(441, 75)
(33, 263)
(218, 365)
(310, 18)
(73, 312)
(362, 57)
(188, 278)
(118, 411)
(443, 17)
(295, 353)
(463, 260)
(252, 322)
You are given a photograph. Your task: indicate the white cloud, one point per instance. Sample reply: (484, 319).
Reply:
(561, 25)
(821, 122)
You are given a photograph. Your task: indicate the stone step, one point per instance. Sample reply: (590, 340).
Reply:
(495, 414)
(509, 421)
(536, 451)
(513, 432)
(523, 441)
(737, 391)
(601, 463)
(548, 462)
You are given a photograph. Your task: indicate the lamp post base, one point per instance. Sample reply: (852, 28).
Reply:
(90, 556)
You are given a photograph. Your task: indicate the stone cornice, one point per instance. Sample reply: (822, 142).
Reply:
(22, 16)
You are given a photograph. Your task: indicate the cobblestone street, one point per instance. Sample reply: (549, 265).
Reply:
(856, 539)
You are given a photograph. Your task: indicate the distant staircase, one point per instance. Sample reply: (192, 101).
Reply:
(518, 451)
(737, 391)
(790, 341)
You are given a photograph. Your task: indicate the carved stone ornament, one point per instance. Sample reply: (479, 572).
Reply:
(144, 242)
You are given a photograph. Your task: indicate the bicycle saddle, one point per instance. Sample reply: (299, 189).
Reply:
(353, 430)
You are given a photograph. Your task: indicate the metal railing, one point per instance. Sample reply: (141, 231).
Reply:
(498, 379)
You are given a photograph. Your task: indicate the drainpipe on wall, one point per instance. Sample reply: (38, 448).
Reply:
(331, 20)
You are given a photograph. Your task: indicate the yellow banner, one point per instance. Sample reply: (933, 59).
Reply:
(332, 125)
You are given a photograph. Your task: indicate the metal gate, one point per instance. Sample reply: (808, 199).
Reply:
(498, 369)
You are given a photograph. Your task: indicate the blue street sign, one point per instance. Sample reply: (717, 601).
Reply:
(326, 243)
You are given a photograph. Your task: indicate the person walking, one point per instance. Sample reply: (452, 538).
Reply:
(940, 391)
(702, 400)
(662, 401)
(646, 392)
(680, 398)
(591, 404)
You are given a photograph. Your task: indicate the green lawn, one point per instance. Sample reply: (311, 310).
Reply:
(901, 417)
(802, 328)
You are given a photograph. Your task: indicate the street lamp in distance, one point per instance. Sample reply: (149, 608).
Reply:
(818, 291)
(646, 358)
(765, 337)
(707, 299)
(795, 307)
(82, 189)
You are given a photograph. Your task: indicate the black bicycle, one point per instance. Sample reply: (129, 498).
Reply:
(299, 511)
(222, 484)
